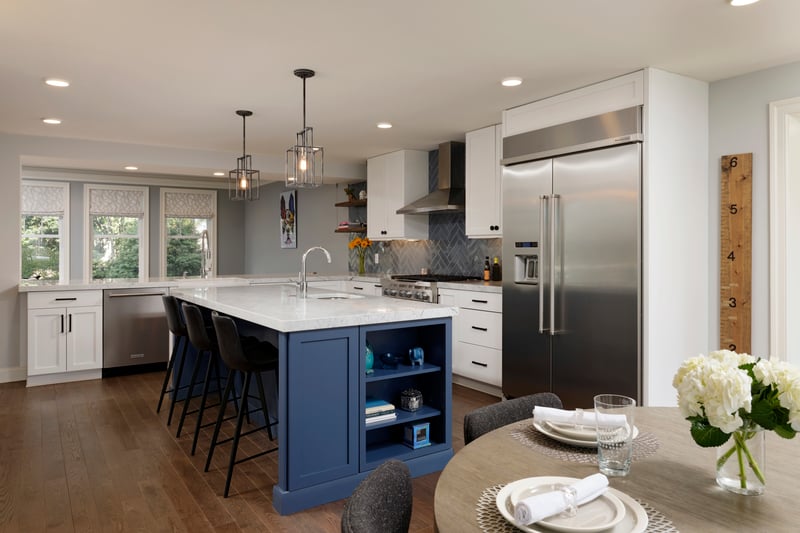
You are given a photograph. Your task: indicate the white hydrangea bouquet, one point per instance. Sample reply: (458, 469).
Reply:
(731, 395)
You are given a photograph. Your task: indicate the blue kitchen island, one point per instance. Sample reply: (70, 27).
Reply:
(325, 447)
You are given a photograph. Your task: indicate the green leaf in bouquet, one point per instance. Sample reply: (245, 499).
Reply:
(705, 434)
(785, 431)
(764, 414)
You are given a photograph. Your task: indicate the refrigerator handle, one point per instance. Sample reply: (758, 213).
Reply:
(542, 206)
(553, 234)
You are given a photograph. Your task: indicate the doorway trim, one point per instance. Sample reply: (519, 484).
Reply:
(784, 127)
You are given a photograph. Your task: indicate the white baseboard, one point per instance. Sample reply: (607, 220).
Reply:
(477, 385)
(64, 377)
(8, 375)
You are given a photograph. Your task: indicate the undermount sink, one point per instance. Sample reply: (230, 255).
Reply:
(335, 296)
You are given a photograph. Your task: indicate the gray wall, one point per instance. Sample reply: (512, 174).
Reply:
(739, 123)
(317, 218)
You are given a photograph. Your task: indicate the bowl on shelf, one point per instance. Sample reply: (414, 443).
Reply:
(389, 360)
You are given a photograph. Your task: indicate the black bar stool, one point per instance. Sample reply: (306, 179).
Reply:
(251, 359)
(178, 329)
(204, 341)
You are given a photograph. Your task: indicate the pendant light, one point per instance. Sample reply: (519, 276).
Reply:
(244, 181)
(304, 161)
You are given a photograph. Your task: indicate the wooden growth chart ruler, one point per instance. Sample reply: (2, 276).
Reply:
(735, 266)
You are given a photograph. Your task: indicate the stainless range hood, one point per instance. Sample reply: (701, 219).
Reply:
(449, 197)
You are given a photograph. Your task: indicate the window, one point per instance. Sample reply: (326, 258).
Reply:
(186, 214)
(44, 227)
(117, 231)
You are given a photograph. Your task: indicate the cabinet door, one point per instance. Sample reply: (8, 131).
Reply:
(84, 327)
(376, 207)
(483, 180)
(47, 341)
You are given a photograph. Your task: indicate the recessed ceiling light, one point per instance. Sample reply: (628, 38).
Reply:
(511, 82)
(219, 173)
(131, 167)
(384, 125)
(51, 121)
(738, 3)
(53, 82)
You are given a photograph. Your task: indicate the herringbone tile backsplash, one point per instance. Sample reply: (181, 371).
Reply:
(447, 251)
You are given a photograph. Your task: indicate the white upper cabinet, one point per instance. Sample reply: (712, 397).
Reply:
(394, 180)
(483, 183)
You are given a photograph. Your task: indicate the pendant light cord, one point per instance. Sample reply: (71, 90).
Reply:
(304, 104)
(244, 136)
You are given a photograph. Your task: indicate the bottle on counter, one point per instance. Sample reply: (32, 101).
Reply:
(497, 271)
(487, 275)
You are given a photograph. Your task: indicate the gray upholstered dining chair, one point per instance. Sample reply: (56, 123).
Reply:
(381, 502)
(485, 419)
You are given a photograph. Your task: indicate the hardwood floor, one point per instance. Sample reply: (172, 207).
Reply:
(94, 456)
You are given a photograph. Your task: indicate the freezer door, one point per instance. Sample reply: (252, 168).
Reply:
(526, 352)
(596, 341)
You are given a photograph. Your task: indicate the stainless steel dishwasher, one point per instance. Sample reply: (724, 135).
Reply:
(135, 334)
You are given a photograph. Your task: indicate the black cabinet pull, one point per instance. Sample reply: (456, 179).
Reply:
(62, 323)
(480, 329)
(358, 288)
(480, 301)
(484, 365)
(66, 299)
(69, 329)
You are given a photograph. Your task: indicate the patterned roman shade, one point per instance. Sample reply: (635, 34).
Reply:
(190, 204)
(117, 202)
(42, 199)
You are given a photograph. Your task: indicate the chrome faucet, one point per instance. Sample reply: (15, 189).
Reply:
(205, 255)
(303, 282)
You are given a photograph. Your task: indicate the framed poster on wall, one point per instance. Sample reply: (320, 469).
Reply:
(289, 219)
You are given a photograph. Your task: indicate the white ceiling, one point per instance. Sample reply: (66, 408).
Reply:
(171, 73)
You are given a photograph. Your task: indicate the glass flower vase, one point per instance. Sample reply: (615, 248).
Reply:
(361, 264)
(741, 462)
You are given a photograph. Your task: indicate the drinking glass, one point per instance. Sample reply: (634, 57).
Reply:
(614, 415)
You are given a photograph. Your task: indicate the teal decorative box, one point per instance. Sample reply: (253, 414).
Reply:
(417, 435)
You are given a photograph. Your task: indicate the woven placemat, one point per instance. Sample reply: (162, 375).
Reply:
(644, 445)
(491, 521)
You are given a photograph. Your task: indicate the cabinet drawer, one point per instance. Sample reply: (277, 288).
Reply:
(480, 327)
(478, 363)
(49, 300)
(485, 301)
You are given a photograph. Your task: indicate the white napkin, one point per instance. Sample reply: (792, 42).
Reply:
(541, 506)
(578, 417)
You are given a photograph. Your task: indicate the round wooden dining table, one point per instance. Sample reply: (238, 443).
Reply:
(676, 478)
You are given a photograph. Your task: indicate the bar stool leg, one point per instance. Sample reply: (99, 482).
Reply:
(220, 417)
(237, 433)
(178, 379)
(190, 391)
(212, 358)
(164, 385)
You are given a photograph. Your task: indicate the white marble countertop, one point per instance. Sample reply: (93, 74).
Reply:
(277, 306)
(229, 281)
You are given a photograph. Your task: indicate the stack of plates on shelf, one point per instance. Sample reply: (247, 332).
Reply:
(613, 511)
(583, 436)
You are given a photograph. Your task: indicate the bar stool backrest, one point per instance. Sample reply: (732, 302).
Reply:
(174, 322)
(230, 347)
(195, 326)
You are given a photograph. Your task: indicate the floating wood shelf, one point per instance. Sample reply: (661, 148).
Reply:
(352, 229)
(352, 203)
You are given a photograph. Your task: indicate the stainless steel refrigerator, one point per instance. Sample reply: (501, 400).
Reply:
(572, 259)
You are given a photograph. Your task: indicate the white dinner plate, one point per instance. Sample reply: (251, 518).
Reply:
(572, 431)
(555, 435)
(634, 517)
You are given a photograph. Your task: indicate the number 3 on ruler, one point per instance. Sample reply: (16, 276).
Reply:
(736, 251)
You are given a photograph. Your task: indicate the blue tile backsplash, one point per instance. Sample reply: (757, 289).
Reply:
(447, 250)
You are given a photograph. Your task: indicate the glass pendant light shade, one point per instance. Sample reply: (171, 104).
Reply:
(304, 161)
(244, 181)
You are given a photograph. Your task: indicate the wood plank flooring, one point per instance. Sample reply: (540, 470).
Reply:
(94, 456)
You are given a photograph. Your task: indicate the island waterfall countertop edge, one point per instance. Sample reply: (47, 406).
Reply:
(278, 307)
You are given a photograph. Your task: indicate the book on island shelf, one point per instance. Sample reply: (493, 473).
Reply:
(376, 406)
(381, 418)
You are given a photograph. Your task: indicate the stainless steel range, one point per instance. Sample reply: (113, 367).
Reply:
(419, 287)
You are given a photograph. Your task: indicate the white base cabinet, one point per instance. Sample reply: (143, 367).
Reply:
(64, 336)
(477, 335)
(367, 288)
